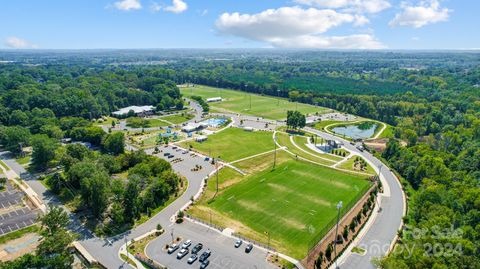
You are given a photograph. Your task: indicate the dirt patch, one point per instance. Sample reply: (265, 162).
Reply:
(316, 200)
(18, 247)
(279, 187)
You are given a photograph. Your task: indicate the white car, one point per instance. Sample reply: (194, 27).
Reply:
(187, 243)
(192, 259)
(172, 248)
(182, 253)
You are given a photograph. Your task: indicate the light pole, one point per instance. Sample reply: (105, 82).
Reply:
(171, 233)
(278, 96)
(339, 206)
(216, 172)
(275, 151)
(126, 244)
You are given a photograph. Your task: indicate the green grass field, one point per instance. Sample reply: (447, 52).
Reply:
(177, 118)
(293, 203)
(233, 144)
(262, 106)
(284, 140)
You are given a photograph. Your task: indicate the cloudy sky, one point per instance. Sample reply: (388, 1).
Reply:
(322, 24)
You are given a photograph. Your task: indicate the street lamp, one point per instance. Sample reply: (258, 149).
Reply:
(171, 233)
(339, 206)
(278, 96)
(126, 244)
(275, 151)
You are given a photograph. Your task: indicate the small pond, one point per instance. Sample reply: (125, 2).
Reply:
(357, 131)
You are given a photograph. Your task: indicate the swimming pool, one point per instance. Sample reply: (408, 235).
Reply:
(214, 122)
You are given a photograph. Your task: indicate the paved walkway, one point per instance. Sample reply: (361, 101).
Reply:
(379, 239)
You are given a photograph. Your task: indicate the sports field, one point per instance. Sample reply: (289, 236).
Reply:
(233, 144)
(293, 203)
(239, 102)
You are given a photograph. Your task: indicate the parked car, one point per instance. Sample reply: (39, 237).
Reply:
(192, 259)
(204, 264)
(206, 159)
(238, 243)
(171, 156)
(166, 153)
(197, 248)
(172, 248)
(182, 253)
(248, 248)
(205, 255)
(187, 243)
(174, 147)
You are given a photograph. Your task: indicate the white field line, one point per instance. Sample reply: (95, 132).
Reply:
(256, 155)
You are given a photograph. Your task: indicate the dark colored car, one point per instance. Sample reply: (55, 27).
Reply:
(197, 248)
(170, 156)
(192, 259)
(205, 255)
(248, 248)
(166, 153)
(204, 264)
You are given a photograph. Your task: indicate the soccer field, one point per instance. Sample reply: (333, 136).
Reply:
(292, 203)
(233, 143)
(239, 102)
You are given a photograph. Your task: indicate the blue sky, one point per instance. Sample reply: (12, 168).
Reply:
(323, 24)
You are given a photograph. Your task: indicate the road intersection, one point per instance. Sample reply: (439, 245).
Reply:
(381, 233)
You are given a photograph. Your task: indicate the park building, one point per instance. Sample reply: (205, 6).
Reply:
(201, 138)
(214, 99)
(137, 110)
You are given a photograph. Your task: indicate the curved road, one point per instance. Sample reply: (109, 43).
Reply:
(377, 240)
(381, 235)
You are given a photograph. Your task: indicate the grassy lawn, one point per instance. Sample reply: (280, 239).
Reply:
(292, 202)
(4, 165)
(233, 143)
(284, 140)
(178, 118)
(19, 233)
(239, 102)
(24, 160)
(135, 122)
(302, 141)
(387, 133)
(349, 165)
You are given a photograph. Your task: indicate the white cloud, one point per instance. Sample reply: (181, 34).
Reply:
(359, 6)
(128, 5)
(427, 12)
(18, 43)
(296, 27)
(178, 6)
(155, 7)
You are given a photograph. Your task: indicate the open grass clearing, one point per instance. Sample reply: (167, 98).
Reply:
(239, 102)
(284, 140)
(292, 202)
(178, 118)
(301, 142)
(233, 143)
(349, 164)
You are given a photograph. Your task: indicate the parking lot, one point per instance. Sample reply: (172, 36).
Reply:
(224, 254)
(14, 214)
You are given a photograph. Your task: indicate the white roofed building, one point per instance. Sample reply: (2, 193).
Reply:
(138, 110)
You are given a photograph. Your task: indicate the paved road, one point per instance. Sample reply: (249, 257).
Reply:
(378, 238)
(381, 233)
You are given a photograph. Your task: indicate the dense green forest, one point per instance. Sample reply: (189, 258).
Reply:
(432, 99)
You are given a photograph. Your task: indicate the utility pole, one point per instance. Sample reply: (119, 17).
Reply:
(339, 206)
